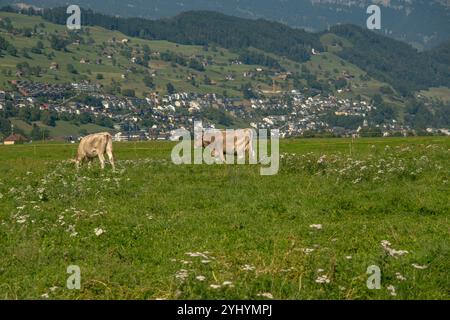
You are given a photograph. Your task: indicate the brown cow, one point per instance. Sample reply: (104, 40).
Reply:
(95, 145)
(237, 142)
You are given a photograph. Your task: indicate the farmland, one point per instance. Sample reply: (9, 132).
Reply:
(154, 230)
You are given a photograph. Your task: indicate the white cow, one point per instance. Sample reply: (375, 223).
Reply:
(95, 145)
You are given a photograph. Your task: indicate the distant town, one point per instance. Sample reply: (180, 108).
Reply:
(155, 117)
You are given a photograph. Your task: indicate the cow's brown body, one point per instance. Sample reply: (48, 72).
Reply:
(237, 142)
(95, 145)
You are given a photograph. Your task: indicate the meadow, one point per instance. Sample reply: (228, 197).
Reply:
(154, 230)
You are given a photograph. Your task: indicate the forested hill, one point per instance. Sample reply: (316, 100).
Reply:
(423, 23)
(204, 27)
(441, 53)
(395, 62)
(383, 58)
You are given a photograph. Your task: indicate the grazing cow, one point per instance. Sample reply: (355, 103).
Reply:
(95, 145)
(236, 142)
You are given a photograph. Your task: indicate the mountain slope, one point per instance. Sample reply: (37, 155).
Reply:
(122, 65)
(385, 59)
(424, 23)
(46, 58)
(394, 62)
(203, 27)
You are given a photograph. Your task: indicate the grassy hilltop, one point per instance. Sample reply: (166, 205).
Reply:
(155, 230)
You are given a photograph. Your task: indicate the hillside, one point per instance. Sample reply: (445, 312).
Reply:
(253, 68)
(383, 58)
(423, 23)
(185, 66)
(61, 130)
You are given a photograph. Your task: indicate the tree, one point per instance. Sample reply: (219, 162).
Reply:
(340, 83)
(247, 91)
(170, 88)
(196, 65)
(5, 126)
(128, 92)
(148, 81)
(40, 45)
(39, 133)
(71, 69)
(206, 80)
(57, 43)
(48, 118)
(11, 50)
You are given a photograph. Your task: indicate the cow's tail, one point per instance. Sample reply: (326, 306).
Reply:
(109, 150)
(109, 143)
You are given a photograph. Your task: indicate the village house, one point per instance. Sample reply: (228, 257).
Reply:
(54, 66)
(14, 138)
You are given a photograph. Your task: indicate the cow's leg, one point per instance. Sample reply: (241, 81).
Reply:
(111, 159)
(89, 161)
(109, 152)
(101, 157)
(79, 161)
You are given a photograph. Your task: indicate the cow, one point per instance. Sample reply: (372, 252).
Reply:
(235, 142)
(95, 145)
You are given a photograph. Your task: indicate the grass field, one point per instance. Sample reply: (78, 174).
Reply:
(225, 232)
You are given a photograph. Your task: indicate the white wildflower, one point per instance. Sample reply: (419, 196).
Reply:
(399, 276)
(323, 279)
(316, 226)
(215, 286)
(248, 267)
(200, 278)
(99, 231)
(392, 291)
(228, 284)
(419, 266)
(267, 295)
(197, 254)
(181, 274)
(392, 252)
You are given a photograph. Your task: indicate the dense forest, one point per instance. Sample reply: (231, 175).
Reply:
(395, 62)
